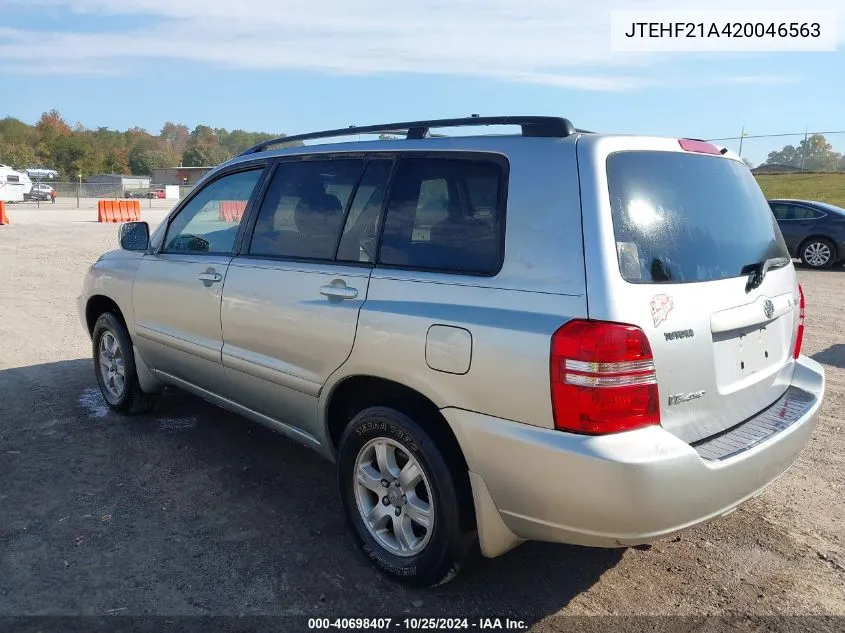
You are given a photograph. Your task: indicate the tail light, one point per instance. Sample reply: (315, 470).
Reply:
(602, 378)
(799, 333)
(696, 145)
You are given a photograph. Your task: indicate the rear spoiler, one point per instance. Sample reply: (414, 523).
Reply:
(729, 153)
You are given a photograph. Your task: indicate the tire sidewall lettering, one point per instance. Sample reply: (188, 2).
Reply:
(386, 565)
(376, 426)
(439, 560)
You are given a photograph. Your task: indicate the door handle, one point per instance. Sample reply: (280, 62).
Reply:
(209, 277)
(339, 292)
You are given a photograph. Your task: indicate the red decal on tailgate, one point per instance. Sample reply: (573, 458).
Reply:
(661, 305)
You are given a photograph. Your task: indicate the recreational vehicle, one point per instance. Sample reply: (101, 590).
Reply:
(14, 185)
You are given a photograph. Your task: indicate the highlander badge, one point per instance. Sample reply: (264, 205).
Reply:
(680, 398)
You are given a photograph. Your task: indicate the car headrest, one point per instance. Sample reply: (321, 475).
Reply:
(318, 215)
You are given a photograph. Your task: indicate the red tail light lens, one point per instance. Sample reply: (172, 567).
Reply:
(799, 336)
(702, 147)
(602, 378)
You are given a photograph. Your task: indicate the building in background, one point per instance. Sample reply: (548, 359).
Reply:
(182, 176)
(120, 182)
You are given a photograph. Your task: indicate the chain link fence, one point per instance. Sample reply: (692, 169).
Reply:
(105, 191)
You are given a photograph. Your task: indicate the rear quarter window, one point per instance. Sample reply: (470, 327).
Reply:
(681, 217)
(447, 215)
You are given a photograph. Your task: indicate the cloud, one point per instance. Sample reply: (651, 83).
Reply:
(551, 42)
(60, 69)
(759, 80)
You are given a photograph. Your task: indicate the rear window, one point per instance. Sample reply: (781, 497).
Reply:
(687, 217)
(830, 207)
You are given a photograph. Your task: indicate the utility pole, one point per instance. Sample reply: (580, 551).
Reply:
(78, 188)
(804, 149)
(741, 137)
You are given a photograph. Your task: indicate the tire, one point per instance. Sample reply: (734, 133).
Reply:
(813, 251)
(128, 396)
(430, 556)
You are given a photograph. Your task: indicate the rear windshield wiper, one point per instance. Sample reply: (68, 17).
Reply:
(757, 272)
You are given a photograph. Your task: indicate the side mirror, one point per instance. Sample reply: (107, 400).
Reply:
(134, 236)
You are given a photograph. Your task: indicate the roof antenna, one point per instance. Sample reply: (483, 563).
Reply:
(474, 116)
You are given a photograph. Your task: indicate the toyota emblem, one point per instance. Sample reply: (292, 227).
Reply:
(768, 308)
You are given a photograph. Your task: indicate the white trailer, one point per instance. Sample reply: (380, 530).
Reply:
(14, 185)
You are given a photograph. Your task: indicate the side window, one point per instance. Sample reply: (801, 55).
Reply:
(360, 235)
(209, 222)
(445, 214)
(431, 207)
(781, 211)
(799, 212)
(302, 214)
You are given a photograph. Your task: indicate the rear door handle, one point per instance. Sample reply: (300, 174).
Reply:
(209, 277)
(339, 292)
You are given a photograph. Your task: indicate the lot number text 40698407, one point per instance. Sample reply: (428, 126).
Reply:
(418, 624)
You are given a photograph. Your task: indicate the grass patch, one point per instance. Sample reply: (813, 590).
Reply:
(822, 187)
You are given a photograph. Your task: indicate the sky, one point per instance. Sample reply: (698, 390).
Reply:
(292, 66)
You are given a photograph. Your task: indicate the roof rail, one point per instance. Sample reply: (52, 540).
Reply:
(546, 126)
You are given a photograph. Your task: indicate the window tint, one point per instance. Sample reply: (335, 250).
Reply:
(784, 211)
(781, 211)
(302, 213)
(209, 222)
(688, 217)
(805, 213)
(445, 214)
(360, 235)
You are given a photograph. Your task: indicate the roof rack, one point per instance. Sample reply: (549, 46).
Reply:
(545, 126)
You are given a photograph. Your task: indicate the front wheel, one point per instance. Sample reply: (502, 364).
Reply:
(401, 499)
(114, 365)
(818, 253)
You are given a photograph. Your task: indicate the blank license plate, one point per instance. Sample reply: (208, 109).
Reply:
(754, 351)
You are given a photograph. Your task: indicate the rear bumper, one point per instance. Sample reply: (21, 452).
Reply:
(616, 490)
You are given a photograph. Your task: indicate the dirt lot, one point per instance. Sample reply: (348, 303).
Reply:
(194, 511)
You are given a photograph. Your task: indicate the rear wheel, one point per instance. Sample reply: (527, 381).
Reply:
(114, 365)
(818, 252)
(401, 499)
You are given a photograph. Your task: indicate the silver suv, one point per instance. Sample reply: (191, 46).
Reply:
(40, 191)
(555, 335)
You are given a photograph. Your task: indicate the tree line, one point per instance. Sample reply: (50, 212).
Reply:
(814, 153)
(75, 149)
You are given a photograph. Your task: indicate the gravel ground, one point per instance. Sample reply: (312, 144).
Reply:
(194, 511)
